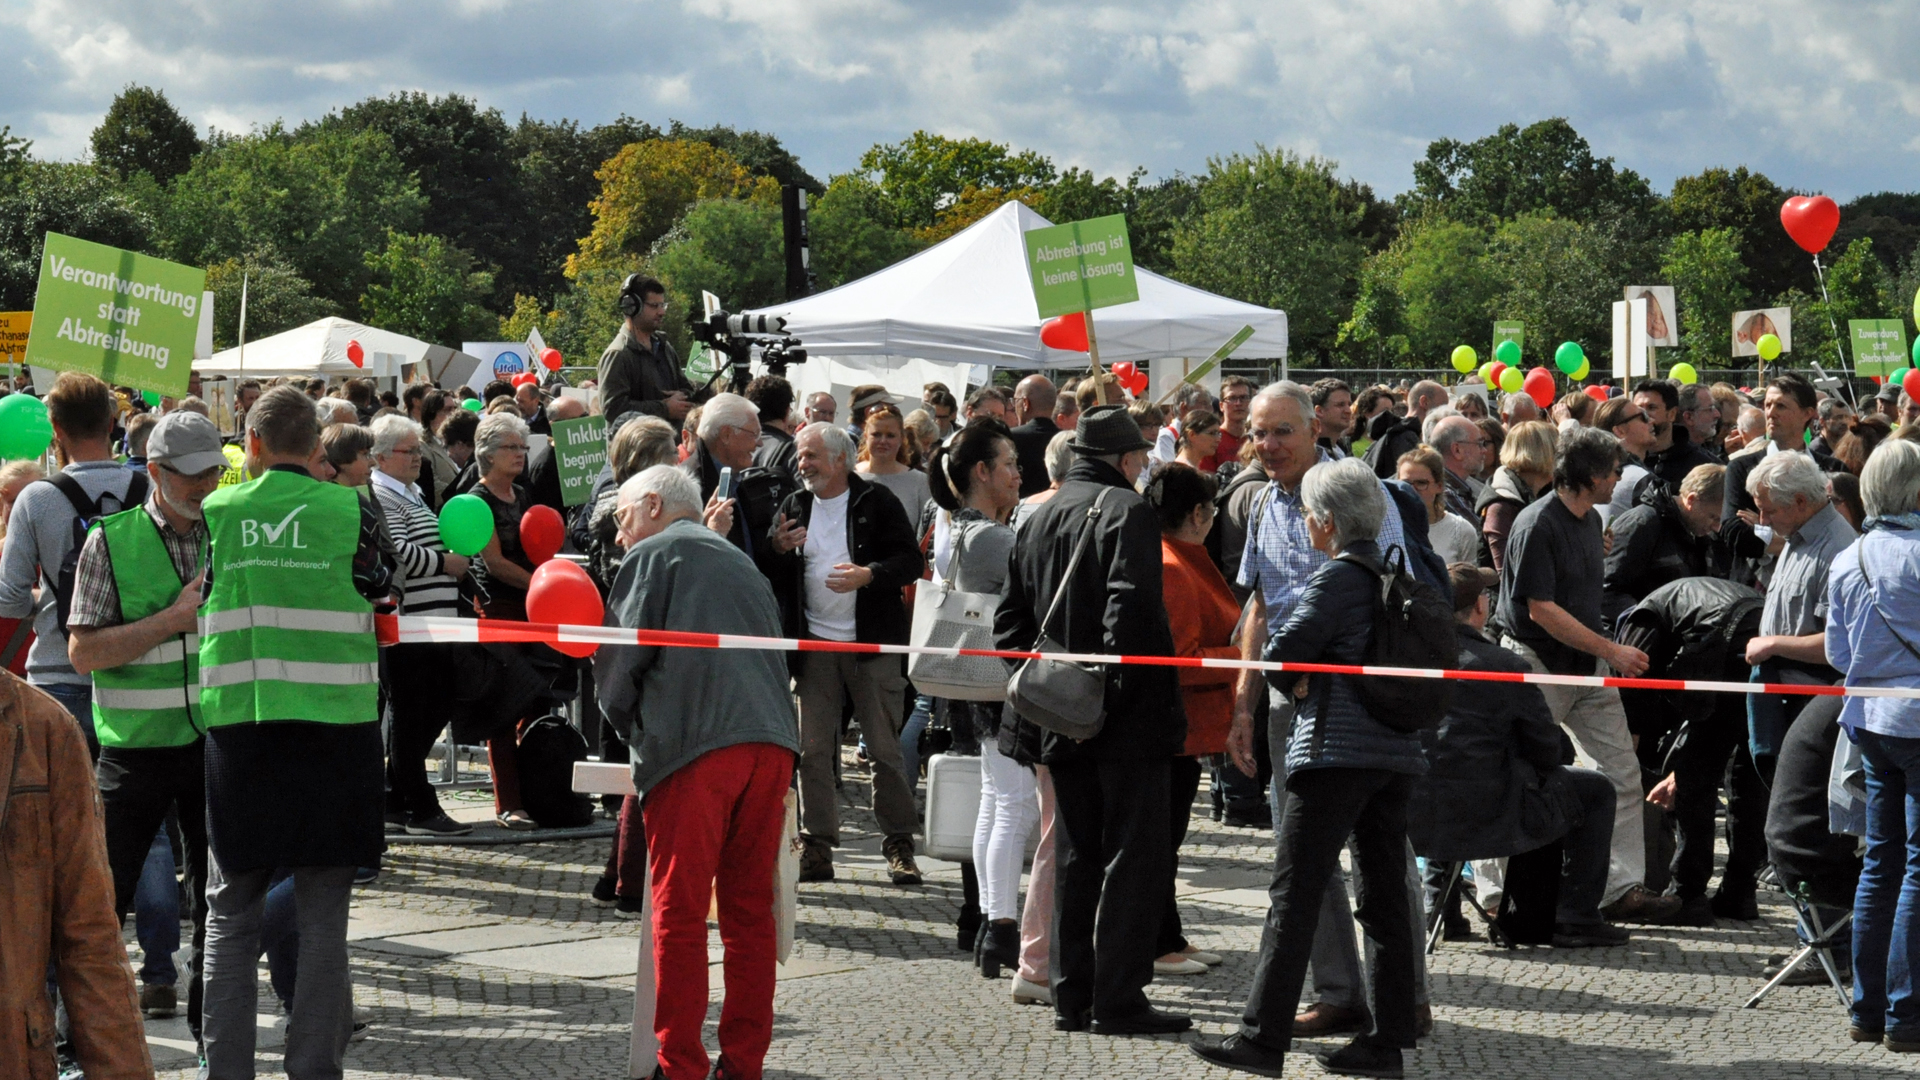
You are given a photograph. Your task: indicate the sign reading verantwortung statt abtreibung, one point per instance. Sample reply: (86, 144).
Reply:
(131, 319)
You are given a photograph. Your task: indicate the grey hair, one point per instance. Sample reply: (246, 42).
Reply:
(641, 443)
(1059, 455)
(1890, 484)
(839, 444)
(1790, 476)
(335, 410)
(389, 431)
(679, 495)
(1287, 388)
(726, 411)
(1751, 421)
(1432, 423)
(1830, 405)
(1346, 495)
(492, 432)
(1444, 436)
(1192, 396)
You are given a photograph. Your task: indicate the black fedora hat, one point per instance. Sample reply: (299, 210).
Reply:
(1107, 429)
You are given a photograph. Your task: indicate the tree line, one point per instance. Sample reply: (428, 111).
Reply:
(434, 217)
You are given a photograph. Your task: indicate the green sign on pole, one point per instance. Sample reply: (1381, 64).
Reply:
(130, 319)
(1879, 345)
(1515, 332)
(1081, 265)
(580, 446)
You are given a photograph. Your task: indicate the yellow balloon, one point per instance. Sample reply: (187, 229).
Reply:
(1768, 347)
(1684, 374)
(1582, 371)
(1464, 358)
(1512, 379)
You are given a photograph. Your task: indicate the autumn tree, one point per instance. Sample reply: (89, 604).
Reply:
(647, 186)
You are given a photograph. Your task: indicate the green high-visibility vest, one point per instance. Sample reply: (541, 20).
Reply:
(153, 700)
(284, 635)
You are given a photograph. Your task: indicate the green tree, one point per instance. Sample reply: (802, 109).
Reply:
(427, 288)
(556, 162)
(728, 247)
(278, 298)
(647, 186)
(323, 201)
(1749, 204)
(1447, 288)
(1561, 277)
(1890, 218)
(1281, 231)
(78, 200)
(758, 151)
(923, 173)
(1374, 334)
(1858, 287)
(852, 232)
(1544, 166)
(143, 132)
(1708, 280)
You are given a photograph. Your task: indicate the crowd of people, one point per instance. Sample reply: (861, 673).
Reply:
(199, 604)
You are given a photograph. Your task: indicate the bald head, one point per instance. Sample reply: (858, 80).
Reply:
(1033, 397)
(1426, 394)
(566, 408)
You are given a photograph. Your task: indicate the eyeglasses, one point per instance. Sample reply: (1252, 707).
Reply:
(1635, 416)
(200, 477)
(659, 306)
(1237, 399)
(1486, 444)
(412, 453)
(518, 447)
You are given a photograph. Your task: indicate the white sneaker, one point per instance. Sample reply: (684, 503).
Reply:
(1182, 966)
(1026, 993)
(1202, 956)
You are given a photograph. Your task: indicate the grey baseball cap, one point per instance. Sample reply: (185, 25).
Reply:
(187, 442)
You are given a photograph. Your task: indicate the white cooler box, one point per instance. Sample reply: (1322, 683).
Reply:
(953, 806)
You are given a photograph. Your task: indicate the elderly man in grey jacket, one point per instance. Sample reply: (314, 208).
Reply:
(713, 737)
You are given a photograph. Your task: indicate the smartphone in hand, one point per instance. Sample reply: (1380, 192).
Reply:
(725, 490)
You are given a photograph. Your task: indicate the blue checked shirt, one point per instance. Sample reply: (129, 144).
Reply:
(1280, 556)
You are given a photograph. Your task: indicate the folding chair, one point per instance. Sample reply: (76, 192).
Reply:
(1816, 942)
(1436, 917)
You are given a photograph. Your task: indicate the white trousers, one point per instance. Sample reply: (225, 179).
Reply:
(1009, 809)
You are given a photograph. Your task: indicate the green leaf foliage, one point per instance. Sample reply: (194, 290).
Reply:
(426, 287)
(143, 132)
(78, 200)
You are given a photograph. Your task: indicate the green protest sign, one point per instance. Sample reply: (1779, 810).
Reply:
(129, 319)
(580, 448)
(1879, 345)
(1515, 332)
(1081, 265)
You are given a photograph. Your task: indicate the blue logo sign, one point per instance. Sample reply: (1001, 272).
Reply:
(508, 363)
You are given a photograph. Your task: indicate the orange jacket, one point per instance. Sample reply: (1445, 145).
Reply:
(1203, 613)
(56, 895)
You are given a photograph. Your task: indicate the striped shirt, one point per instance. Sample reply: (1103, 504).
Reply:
(424, 585)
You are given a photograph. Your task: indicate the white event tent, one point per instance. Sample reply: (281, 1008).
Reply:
(968, 301)
(320, 348)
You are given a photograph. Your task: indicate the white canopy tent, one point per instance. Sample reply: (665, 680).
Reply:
(968, 301)
(320, 348)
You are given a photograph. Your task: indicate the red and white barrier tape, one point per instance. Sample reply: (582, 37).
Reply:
(415, 629)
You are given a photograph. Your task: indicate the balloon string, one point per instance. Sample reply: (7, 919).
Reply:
(1846, 369)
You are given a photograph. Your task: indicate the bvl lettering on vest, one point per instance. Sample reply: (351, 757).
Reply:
(286, 534)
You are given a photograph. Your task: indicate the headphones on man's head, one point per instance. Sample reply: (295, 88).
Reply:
(630, 297)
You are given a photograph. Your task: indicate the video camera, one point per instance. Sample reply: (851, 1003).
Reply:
(736, 336)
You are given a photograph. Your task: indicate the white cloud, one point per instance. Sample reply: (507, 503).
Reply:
(1815, 93)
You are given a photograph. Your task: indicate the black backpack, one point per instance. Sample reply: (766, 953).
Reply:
(86, 511)
(547, 750)
(1412, 628)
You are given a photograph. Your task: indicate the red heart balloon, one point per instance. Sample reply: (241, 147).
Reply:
(561, 592)
(1810, 220)
(1124, 371)
(1068, 333)
(550, 359)
(525, 378)
(1597, 393)
(541, 533)
(356, 354)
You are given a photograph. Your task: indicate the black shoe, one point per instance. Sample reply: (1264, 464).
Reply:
(365, 875)
(1457, 928)
(1262, 819)
(1000, 948)
(1695, 911)
(396, 822)
(968, 925)
(1237, 1052)
(437, 825)
(603, 892)
(1588, 935)
(1148, 1021)
(1076, 1021)
(1741, 906)
(1215, 813)
(628, 907)
(1363, 1058)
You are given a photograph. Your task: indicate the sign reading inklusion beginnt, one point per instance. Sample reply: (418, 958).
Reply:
(129, 319)
(1081, 265)
(580, 448)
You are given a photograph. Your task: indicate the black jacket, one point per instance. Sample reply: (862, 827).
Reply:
(1384, 455)
(638, 378)
(1674, 463)
(1652, 546)
(757, 493)
(775, 450)
(1693, 628)
(1495, 782)
(1114, 604)
(1030, 448)
(879, 537)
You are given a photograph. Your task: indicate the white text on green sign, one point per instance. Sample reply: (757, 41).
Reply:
(130, 319)
(580, 449)
(1081, 265)
(1879, 345)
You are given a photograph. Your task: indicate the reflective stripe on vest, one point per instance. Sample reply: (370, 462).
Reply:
(152, 700)
(284, 634)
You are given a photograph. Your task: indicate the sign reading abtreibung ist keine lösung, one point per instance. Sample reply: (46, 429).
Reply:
(130, 319)
(1081, 265)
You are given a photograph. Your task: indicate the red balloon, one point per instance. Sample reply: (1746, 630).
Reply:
(1597, 393)
(356, 354)
(1810, 220)
(1068, 333)
(550, 359)
(525, 378)
(1493, 375)
(561, 592)
(1911, 384)
(541, 533)
(1539, 386)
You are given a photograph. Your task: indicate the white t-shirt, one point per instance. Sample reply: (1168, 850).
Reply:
(829, 613)
(1455, 539)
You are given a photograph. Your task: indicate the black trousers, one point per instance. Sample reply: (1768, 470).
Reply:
(1112, 873)
(416, 676)
(1717, 754)
(1184, 785)
(1234, 791)
(1321, 809)
(137, 788)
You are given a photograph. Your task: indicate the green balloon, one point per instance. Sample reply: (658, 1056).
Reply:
(1899, 375)
(1568, 356)
(1507, 352)
(466, 524)
(472, 404)
(152, 399)
(25, 430)
(1916, 352)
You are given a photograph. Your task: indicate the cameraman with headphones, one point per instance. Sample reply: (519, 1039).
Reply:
(639, 371)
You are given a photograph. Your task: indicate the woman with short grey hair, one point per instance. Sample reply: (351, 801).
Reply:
(495, 432)
(1347, 774)
(505, 571)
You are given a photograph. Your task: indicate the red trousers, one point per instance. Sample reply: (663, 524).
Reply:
(716, 825)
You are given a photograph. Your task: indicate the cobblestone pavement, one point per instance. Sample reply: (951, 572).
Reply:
(483, 962)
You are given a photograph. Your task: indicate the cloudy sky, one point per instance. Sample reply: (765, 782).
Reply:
(1819, 94)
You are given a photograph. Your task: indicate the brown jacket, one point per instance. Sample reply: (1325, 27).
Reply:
(57, 893)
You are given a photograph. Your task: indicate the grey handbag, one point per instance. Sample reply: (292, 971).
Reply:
(946, 617)
(1062, 696)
